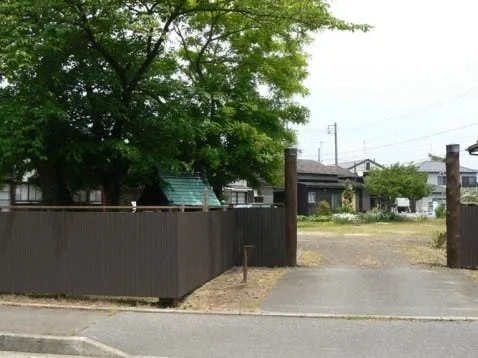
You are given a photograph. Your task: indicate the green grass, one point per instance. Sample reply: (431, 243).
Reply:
(405, 228)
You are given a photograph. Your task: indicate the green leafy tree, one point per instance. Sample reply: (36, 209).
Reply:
(397, 181)
(110, 92)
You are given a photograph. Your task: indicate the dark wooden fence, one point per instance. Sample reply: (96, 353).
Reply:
(469, 235)
(146, 254)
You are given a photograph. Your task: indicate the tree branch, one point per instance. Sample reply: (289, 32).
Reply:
(84, 23)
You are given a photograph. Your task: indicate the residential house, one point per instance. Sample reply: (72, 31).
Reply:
(238, 192)
(26, 193)
(362, 168)
(318, 182)
(436, 171)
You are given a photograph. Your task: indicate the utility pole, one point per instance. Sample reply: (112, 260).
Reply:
(320, 149)
(332, 129)
(453, 246)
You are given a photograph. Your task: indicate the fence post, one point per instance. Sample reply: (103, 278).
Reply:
(291, 205)
(453, 247)
(205, 200)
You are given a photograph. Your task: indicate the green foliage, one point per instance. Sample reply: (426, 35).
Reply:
(323, 209)
(346, 209)
(397, 181)
(380, 216)
(313, 218)
(440, 211)
(439, 240)
(109, 93)
(469, 195)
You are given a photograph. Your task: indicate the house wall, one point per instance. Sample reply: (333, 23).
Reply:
(365, 202)
(332, 196)
(302, 196)
(268, 195)
(4, 196)
(429, 203)
(363, 167)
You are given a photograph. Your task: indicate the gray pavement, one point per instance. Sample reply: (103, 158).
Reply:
(196, 335)
(385, 291)
(30, 320)
(183, 335)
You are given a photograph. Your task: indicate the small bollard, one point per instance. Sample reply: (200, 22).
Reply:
(244, 264)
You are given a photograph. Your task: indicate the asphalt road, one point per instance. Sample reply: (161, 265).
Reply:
(386, 291)
(31, 320)
(187, 335)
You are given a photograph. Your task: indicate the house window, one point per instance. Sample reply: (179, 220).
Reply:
(95, 197)
(241, 198)
(80, 196)
(367, 166)
(27, 193)
(468, 180)
(312, 197)
(441, 180)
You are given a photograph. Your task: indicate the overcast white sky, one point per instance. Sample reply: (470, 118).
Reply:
(413, 76)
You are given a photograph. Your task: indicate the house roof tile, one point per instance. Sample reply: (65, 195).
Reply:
(307, 166)
(431, 166)
(188, 191)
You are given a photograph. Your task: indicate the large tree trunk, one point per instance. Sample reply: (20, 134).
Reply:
(53, 184)
(112, 192)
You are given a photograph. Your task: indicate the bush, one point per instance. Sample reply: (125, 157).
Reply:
(440, 211)
(439, 240)
(313, 218)
(346, 209)
(346, 218)
(323, 209)
(377, 215)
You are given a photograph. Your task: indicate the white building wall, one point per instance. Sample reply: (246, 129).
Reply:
(4, 196)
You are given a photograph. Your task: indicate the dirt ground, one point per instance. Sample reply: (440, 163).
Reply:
(228, 292)
(362, 249)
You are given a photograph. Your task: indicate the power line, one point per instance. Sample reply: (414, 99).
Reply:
(326, 156)
(415, 138)
(415, 111)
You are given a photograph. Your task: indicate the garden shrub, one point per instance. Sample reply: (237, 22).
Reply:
(323, 209)
(440, 211)
(439, 240)
(346, 209)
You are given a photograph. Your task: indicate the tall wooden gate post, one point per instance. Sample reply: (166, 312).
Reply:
(453, 247)
(291, 204)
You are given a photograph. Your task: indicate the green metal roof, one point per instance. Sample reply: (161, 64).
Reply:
(188, 191)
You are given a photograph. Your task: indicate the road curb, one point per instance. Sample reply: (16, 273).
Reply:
(378, 317)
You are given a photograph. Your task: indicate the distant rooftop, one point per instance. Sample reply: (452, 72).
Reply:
(353, 163)
(307, 166)
(431, 166)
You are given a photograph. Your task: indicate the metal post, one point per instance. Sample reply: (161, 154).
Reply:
(244, 266)
(453, 248)
(291, 205)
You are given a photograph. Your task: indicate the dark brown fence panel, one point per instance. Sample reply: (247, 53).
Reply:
(121, 254)
(163, 255)
(205, 247)
(263, 228)
(469, 235)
